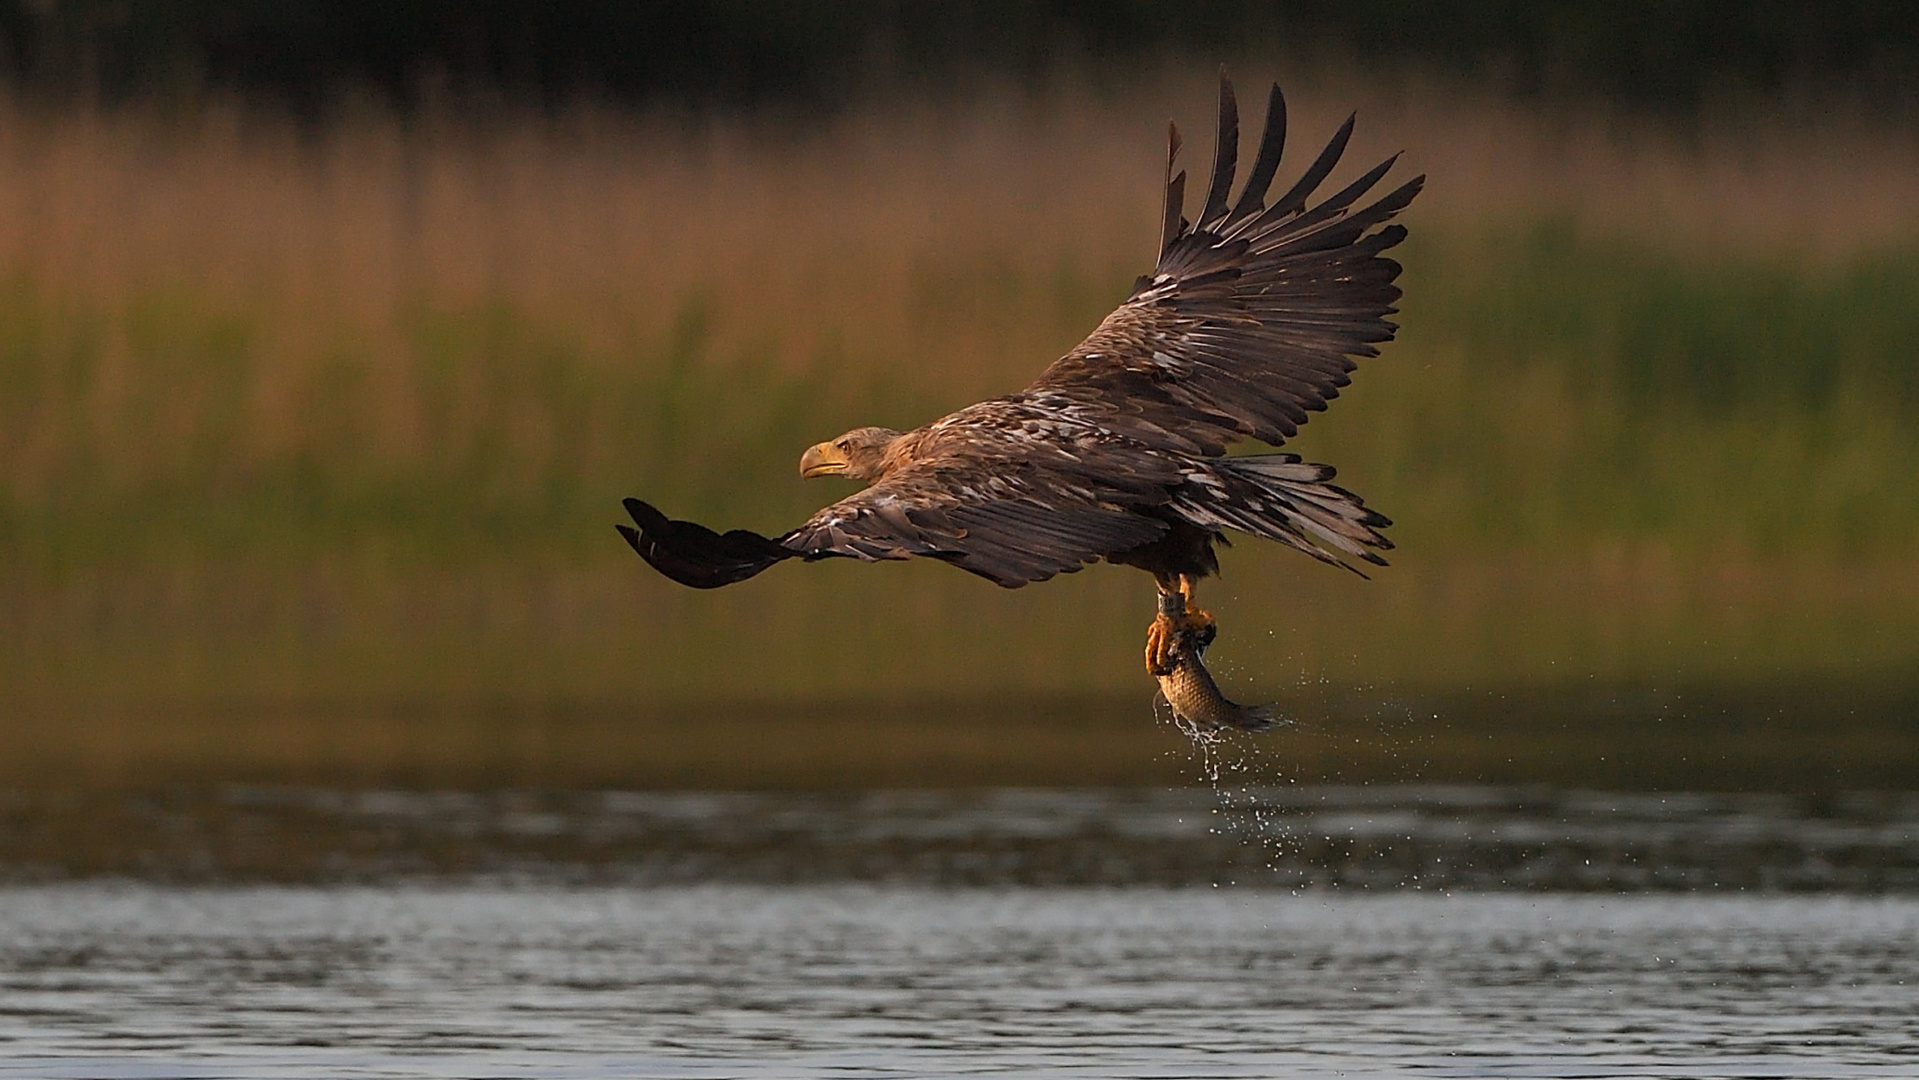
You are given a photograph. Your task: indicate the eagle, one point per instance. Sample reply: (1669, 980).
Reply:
(1251, 321)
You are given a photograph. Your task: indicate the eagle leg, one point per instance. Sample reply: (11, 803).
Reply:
(1178, 623)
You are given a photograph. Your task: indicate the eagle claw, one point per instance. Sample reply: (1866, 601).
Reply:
(1172, 635)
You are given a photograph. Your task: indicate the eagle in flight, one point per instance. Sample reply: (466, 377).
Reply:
(1250, 322)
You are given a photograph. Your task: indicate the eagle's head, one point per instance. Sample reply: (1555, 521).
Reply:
(855, 455)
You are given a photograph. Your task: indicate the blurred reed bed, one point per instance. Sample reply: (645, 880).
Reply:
(344, 413)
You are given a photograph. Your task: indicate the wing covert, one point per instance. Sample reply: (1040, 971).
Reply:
(1008, 519)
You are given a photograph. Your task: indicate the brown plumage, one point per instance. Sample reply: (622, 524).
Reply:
(1248, 324)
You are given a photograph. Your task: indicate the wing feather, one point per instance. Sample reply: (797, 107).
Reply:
(1271, 144)
(1225, 159)
(990, 497)
(1171, 224)
(1252, 319)
(1322, 167)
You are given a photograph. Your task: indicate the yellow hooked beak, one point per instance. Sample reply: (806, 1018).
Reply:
(824, 459)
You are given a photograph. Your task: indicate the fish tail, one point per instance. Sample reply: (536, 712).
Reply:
(1258, 718)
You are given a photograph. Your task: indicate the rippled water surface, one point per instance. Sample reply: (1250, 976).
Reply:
(754, 980)
(1164, 932)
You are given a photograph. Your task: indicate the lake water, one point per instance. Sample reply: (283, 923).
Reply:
(852, 980)
(1422, 931)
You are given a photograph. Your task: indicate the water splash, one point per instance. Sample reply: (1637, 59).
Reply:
(1242, 769)
(1248, 772)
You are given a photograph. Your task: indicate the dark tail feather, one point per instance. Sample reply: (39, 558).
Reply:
(1279, 497)
(694, 554)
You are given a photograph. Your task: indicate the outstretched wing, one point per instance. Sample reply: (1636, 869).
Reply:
(1252, 317)
(995, 489)
(993, 500)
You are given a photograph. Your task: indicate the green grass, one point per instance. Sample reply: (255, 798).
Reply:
(1552, 394)
(1605, 459)
(1547, 393)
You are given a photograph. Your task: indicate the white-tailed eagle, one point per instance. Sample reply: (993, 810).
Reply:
(1249, 323)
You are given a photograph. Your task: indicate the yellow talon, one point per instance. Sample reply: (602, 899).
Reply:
(1162, 641)
(1184, 627)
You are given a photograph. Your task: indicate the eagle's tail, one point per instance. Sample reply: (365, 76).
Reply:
(1279, 497)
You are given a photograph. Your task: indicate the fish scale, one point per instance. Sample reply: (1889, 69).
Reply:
(1189, 688)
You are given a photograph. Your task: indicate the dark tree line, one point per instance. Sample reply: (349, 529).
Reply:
(1647, 53)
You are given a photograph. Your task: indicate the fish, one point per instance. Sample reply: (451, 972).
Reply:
(1193, 696)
